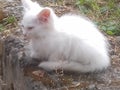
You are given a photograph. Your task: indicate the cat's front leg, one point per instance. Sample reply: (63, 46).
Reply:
(67, 66)
(50, 65)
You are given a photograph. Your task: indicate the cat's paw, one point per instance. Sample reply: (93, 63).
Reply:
(45, 65)
(49, 66)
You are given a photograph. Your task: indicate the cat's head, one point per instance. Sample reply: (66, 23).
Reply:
(36, 20)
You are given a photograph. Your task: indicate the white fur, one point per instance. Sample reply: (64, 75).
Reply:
(69, 42)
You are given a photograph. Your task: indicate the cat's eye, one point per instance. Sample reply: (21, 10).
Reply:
(30, 28)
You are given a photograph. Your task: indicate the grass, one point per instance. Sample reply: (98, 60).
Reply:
(7, 22)
(10, 20)
(1, 27)
(105, 13)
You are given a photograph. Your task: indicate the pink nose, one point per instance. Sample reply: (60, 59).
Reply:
(25, 37)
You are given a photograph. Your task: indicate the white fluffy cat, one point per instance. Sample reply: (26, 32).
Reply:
(69, 42)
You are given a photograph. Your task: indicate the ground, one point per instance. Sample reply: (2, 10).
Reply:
(105, 80)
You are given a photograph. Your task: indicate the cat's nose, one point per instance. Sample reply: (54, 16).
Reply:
(25, 36)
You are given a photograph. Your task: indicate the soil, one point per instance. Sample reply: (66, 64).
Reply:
(105, 80)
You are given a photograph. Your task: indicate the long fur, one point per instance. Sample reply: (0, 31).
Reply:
(69, 42)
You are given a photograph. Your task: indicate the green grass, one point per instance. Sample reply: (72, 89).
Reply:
(1, 27)
(10, 20)
(105, 13)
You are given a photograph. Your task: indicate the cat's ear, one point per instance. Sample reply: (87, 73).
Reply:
(26, 4)
(44, 15)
